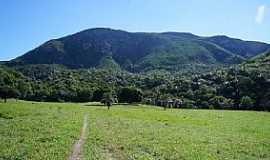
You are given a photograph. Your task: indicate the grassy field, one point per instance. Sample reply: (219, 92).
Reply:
(30, 130)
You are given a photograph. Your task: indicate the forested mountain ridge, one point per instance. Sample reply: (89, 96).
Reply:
(136, 52)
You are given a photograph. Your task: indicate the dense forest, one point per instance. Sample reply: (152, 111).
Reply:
(245, 86)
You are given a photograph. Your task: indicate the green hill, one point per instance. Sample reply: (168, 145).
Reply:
(140, 51)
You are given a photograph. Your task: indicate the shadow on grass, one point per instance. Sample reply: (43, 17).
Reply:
(116, 104)
(94, 105)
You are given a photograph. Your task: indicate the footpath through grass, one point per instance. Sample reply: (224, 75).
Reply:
(38, 131)
(48, 131)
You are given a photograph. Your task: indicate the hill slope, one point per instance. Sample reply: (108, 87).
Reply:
(261, 63)
(245, 49)
(140, 51)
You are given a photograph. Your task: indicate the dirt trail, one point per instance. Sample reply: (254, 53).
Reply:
(108, 155)
(76, 149)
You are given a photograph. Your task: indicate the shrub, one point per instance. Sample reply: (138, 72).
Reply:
(187, 103)
(246, 103)
(220, 102)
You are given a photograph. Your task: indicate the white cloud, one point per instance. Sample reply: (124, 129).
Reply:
(260, 14)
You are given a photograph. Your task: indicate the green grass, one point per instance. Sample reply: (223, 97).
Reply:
(47, 131)
(37, 131)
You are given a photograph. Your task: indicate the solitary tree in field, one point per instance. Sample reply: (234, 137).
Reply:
(107, 99)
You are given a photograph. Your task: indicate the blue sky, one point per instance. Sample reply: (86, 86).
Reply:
(25, 24)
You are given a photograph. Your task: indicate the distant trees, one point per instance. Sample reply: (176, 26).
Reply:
(84, 95)
(24, 89)
(129, 95)
(265, 101)
(165, 101)
(232, 88)
(203, 95)
(187, 103)
(220, 102)
(7, 92)
(4, 93)
(98, 94)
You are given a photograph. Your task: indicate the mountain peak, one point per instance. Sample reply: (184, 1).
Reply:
(140, 51)
(181, 34)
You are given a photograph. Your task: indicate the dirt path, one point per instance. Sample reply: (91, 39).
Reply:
(108, 155)
(76, 149)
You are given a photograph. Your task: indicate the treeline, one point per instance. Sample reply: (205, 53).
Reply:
(57, 84)
(234, 88)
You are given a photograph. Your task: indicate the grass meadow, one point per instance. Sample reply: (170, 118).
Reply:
(32, 130)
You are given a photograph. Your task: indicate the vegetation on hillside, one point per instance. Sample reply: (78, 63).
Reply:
(239, 87)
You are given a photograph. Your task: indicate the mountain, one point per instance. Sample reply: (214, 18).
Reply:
(103, 47)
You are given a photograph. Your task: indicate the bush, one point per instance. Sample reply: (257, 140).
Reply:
(246, 103)
(220, 102)
(189, 104)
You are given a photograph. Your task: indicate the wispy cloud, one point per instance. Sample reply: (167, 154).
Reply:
(260, 14)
